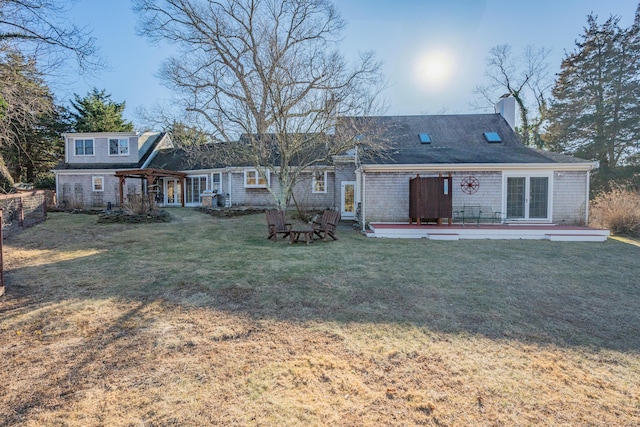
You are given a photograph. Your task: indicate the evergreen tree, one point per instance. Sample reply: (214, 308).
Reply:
(595, 113)
(29, 135)
(96, 112)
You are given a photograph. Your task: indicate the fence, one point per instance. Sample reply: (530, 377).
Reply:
(17, 211)
(21, 210)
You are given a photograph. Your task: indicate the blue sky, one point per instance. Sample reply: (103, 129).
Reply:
(405, 34)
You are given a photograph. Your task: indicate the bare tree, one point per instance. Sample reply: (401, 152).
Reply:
(526, 78)
(40, 29)
(266, 77)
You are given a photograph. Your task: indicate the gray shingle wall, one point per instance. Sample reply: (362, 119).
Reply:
(101, 152)
(260, 197)
(76, 190)
(387, 194)
(569, 190)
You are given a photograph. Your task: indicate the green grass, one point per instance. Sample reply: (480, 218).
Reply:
(204, 313)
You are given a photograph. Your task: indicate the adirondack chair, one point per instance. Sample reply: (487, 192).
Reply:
(327, 225)
(277, 224)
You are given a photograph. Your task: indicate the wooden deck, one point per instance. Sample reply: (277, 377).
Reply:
(552, 232)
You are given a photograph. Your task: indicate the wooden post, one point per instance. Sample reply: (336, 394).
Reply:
(122, 179)
(20, 213)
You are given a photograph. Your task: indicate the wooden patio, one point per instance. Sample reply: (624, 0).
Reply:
(552, 232)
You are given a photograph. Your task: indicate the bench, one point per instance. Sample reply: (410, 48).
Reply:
(476, 214)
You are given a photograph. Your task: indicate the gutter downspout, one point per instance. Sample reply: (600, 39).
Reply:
(228, 188)
(586, 205)
(362, 208)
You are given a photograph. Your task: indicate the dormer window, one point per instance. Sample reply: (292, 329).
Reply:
(83, 147)
(425, 138)
(492, 137)
(118, 146)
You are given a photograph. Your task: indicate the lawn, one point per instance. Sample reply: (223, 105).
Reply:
(203, 321)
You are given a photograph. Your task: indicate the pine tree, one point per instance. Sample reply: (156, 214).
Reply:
(595, 113)
(96, 112)
(29, 124)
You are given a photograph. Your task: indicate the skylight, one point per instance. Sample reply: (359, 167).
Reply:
(492, 137)
(425, 138)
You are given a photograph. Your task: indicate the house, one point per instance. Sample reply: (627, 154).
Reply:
(87, 177)
(481, 153)
(488, 165)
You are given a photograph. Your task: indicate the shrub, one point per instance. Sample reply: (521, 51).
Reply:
(139, 204)
(618, 210)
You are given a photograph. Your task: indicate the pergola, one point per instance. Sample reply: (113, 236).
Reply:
(150, 175)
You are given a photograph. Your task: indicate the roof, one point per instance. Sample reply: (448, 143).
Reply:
(454, 139)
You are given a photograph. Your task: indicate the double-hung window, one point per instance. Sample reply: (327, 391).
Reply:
(319, 182)
(118, 146)
(252, 179)
(83, 147)
(97, 183)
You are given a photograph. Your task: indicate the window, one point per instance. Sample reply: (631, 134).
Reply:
(84, 147)
(527, 197)
(492, 137)
(195, 186)
(97, 183)
(216, 182)
(425, 138)
(118, 146)
(319, 182)
(252, 179)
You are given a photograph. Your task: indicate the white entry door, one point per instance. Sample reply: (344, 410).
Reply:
(172, 192)
(348, 197)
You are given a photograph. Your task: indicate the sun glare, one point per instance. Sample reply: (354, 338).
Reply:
(434, 70)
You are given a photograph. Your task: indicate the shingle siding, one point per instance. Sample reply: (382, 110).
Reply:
(387, 194)
(77, 190)
(101, 151)
(569, 196)
(261, 197)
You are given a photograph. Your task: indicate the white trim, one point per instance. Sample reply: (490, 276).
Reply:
(82, 135)
(118, 154)
(93, 147)
(257, 178)
(94, 178)
(343, 185)
(528, 174)
(481, 167)
(186, 185)
(219, 182)
(314, 181)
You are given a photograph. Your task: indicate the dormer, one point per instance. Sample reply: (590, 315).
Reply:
(102, 147)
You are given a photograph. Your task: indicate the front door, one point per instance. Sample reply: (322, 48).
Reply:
(172, 192)
(348, 197)
(528, 197)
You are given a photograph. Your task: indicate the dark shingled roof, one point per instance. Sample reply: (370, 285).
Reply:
(177, 159)
(456, 139)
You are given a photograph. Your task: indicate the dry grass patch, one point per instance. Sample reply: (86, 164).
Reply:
(203, 321)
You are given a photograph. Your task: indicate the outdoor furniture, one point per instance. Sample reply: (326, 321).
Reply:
(301, 234)
(476, 214)
(277, 224)
(327, 225)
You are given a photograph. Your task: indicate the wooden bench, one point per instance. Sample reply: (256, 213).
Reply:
(476, 214)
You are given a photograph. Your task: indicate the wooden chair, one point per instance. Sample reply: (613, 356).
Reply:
(327, 225)
(277, 224)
